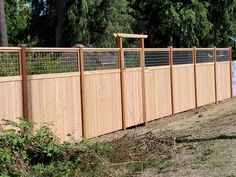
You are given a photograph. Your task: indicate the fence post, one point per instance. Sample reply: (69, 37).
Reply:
(142, 62)
(195, 75)
(81, 66)
(231, 77)
(215, 73)
(23, 69)
(121, 66)
(171, 78)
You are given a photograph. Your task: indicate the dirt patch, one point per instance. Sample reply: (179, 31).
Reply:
(205, 142)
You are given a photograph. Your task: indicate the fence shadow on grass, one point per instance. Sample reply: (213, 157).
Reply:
(198, 140)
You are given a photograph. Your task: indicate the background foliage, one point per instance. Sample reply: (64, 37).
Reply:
(185, 23)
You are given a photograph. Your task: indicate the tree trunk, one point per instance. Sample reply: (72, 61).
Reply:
(60, 13)
(3, 29)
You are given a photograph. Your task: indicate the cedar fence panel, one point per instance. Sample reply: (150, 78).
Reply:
(158, 92)
(223, 75)
(55, 99)
(102, 109)
(183, 80)
(11, 98)
(183, 87)
(223, 80)
(54, 93)
(205, 76)
(11, 105)
(133, 97)
(102, 92)
(158, 83)
(79, 91)
(133, 87)
(205, 83)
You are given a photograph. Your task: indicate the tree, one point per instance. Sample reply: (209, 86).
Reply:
(222, 16)
(94, 21)
(3, 29)
(60, 14)
(181, 23)
(41, 27)
(18, 13)
(169, 22)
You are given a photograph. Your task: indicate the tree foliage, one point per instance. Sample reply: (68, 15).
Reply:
(96, 20)
(167, 22)
(17, 16)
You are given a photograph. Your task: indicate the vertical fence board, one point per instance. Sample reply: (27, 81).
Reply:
(205, 83)
(133, 96)
(55, 99)
(158, 93)
(11, 106)
(183, 87)
(103, 103)
(223, 80)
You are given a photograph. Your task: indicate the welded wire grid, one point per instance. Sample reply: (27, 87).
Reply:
(51, 62)
(182, 57)
(9, 64)
(204, 56)
(222, 55)
(101, 60)
(156, 58)
(132, 59)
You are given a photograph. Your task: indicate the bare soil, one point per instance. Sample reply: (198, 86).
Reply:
(205, 145)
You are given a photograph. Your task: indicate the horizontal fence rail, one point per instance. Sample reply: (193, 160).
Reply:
(89, 92)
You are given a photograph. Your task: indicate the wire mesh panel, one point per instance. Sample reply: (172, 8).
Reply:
(9, 63)
(182, 57)
(156, 58)
(100, 60)
(222, 55)
(132, 59)
(204, 56)
(40, 62)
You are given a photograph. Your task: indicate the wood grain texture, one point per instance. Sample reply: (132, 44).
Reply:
(133, 97)
(102, 96)
(158, 93)
(205, 83)
(56, 100)
(223, 80)
(11, 106)
(183, 87)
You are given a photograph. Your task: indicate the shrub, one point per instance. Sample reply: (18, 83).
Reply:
(23, 153)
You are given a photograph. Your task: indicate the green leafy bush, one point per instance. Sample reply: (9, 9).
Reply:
(23, 153)
(26, 152)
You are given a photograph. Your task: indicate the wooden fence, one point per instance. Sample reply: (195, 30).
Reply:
(88, 92)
